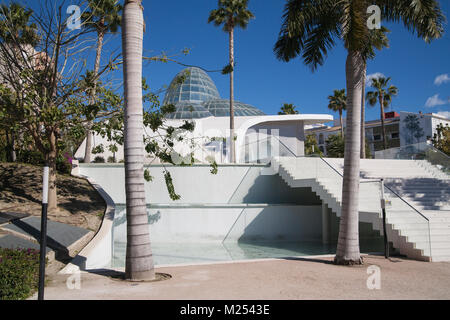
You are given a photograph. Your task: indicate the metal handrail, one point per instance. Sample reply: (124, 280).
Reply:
(407, 203)
(365, 180)
(385, 187)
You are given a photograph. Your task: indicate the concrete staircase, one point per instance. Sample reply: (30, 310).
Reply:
(421, 233)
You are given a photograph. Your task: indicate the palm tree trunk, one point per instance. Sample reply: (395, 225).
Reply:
(139, 259)
(363, 115)
(232, 144)
(342, 124)
(88, 150)
(348, 242)
(382, 121)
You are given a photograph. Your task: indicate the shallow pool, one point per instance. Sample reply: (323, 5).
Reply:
(187, 253)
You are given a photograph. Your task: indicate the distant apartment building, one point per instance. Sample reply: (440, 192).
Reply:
(401, 129)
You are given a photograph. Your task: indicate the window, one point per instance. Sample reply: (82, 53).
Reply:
(394, 135)
(377, 137)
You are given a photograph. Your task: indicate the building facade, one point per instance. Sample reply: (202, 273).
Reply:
(402, 129)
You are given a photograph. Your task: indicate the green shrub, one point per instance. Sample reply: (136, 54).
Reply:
(3, 155)
(99, 159)
(63, 165)
(19, 273)
(111, 159)
(31, 157)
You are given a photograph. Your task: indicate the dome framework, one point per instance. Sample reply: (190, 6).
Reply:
(197, 97)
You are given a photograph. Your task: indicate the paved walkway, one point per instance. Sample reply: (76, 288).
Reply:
(20, 231)
(309, 278)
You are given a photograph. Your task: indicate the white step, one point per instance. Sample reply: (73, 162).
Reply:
(419, 187)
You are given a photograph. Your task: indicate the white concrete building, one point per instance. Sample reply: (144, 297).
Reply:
(257, 136)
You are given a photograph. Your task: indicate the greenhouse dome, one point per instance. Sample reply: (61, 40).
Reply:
(197, 87)
(221, 108)
(189, 110)
(197, 97)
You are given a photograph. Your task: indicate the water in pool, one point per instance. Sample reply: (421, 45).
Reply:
(185, 252)
(181, 253)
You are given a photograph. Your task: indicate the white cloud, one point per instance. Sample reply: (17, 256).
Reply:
(443, 78)
(375, 75)
(445, 114)
(435, 101)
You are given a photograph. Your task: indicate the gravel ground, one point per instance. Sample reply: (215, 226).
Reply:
(287, 279)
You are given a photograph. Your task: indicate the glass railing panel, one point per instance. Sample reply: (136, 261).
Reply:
(422, 152)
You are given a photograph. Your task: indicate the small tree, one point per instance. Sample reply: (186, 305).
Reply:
(288, 108)
(311, 146)
(335, 146)
(412, 124)
(382, 95)
(338, 103)
(441, 139)
(44, 84)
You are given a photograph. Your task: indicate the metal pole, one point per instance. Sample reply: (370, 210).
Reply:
(43, 242)
(383, 209)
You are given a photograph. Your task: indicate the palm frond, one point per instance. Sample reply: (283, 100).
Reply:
(423, 17)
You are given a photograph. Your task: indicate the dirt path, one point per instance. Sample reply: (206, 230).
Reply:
(78, 202)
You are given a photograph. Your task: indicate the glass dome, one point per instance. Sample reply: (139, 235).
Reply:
(197, 87)
(221, 108)
(189, 110)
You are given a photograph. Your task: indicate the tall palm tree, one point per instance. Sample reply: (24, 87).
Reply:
(378, 40)
(338, 103)
(310, 29)
(382, 94)
(139, 260)
(231, 13)
(103, 16)
(288, 108)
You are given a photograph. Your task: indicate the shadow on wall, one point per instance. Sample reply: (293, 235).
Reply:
(272, 189)
(278, 224)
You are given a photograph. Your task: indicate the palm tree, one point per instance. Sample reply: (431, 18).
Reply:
(139, 260)
(231, 13)
(310, 29)
(378, 40)
(384, 97)
(338, 103)
(103, 16)
(288, 108)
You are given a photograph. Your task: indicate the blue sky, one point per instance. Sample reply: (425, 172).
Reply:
(265, 82)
